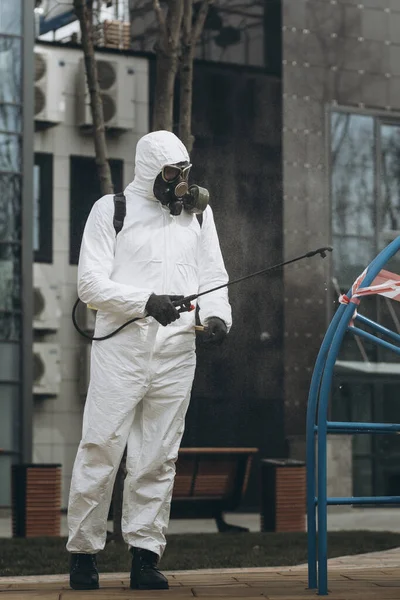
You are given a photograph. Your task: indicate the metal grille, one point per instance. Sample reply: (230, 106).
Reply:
(40, 66)
(106, 74)
(40, 100)
(38, 367)
(108, 107)
(38, 302)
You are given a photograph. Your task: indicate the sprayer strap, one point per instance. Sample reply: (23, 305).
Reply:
(119, 212)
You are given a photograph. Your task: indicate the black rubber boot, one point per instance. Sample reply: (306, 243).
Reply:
(144, 572)
(83, 572)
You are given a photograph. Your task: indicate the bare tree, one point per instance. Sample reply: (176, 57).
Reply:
(84, 12)
(190, 35)
(175, 51)
(167, 52)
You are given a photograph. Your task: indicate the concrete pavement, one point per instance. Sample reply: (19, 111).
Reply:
(374, 576)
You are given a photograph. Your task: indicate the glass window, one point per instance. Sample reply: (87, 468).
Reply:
(10, 153)
(390, 178)
(84, 191)
(352, 255)
(352, 164)
(10, 118)
(365, 190)
(43, 208)
(235, 31)
(10, 70)
(10, 327)
(389, 201)
(9, 398)
(10, 361)
(10, 212)
(5, 478)
(10, 17)
(36, 205)
(10, 285)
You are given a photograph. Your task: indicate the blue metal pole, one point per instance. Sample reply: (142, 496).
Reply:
(372, 272)
(384, 330)
(311, 430)
(362, 427)
(364, 500)
(322, 459)
(312, 405)
(372, 338)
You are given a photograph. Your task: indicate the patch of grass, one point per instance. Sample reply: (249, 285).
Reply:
(44, 556)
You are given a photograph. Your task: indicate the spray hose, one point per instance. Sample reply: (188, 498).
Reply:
(185, 305)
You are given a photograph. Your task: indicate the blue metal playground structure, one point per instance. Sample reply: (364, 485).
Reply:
(318, 426)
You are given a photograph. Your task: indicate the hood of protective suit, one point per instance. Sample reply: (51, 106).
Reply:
(153, 151)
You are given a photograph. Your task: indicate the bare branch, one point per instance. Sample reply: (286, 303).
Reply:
(200, 20)
(187, 22)
(174, 22)
(84, 13)
(160, 16)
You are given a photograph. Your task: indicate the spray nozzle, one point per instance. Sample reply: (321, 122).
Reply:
(321, 251)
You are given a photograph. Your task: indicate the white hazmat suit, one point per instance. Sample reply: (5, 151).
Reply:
(141, 378)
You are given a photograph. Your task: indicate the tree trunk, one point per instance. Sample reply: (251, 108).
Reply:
(190, 35)
(186, 78)
(84, 13)
(163, 111)
(186, 98)
(167, 55)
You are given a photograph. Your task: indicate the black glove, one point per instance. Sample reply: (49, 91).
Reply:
(162, 309)
(216, 331)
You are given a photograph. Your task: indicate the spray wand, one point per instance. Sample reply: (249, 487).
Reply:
(185, 305)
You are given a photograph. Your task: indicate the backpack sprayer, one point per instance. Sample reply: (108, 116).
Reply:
(185, 305)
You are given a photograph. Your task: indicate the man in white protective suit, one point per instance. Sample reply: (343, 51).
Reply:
(141, 378)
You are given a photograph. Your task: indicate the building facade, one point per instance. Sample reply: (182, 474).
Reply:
(341, 103)
(16, 140)
(296, 114)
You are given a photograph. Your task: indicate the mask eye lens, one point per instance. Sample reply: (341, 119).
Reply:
(170, 173)
(185, 172)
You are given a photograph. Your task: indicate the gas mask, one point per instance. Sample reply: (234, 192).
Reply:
(172, 189)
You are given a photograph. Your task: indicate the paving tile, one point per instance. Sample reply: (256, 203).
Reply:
(30, 595)
(375, 580)
(306, 597)
(107, 594)
(104, 594)
(207, 580)
(49, 586)
(235, 591)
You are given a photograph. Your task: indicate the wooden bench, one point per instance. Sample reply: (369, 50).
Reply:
(209, 482)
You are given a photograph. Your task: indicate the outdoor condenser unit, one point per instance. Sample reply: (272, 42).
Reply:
(117, 88)
(46, 369)
(49, 100)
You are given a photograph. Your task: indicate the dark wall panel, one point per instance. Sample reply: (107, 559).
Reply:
(237, 394)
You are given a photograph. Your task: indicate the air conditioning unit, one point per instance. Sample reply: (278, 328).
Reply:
(84, 369)
(46, 308)
(46, 369)
(49, 101)
(117, 88)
